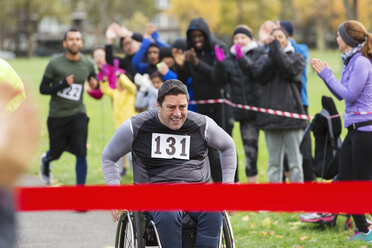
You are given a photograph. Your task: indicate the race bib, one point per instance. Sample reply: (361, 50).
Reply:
(72, 93)
(169, 146)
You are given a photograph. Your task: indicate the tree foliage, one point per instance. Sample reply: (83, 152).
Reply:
(105, 12)
(324, 15)
(365, 13)
(23, 16)
(249, 12)
(224, 16)
(187, 10)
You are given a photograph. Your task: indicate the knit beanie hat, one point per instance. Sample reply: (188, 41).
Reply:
(242, 30)
(287, 25)
(179, 43)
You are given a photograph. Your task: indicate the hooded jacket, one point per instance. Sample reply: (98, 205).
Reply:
(202, 84)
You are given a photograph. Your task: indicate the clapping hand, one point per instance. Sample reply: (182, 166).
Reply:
(190, 56)
(123, 32)
(238, 50)
(265, 31)
(318, 65)
(143, 81)
(220, 54)
(70, 79)
(270, 39)
(93, 83)
(179, 56)
(111, 32)
(163, 68)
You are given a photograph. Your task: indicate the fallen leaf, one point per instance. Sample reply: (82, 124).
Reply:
(262, 233)
(266, 222)
(245, 218)
(303, 238)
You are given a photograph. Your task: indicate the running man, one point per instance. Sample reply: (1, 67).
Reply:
(170, 145)
(64, 79)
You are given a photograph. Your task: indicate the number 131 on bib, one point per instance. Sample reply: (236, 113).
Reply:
(169, 146)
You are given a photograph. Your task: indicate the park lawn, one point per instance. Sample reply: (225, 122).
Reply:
(251, 229)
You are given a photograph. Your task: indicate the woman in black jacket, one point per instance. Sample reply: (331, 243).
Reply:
(237, 71)
(281, 91)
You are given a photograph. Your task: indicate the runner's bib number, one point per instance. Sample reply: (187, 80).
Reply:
(72, 93)
(170, 146)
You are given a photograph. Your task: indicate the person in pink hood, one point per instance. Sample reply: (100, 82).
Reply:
(104, 70)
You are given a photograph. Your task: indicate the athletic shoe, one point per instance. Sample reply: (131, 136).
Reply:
(316, 217)
(45, 174)
(123, 172)
(369, 222)
(362, 236)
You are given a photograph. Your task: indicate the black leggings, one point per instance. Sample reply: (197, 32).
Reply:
(355, 164)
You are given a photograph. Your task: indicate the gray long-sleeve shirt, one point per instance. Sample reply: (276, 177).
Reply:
(163, 155)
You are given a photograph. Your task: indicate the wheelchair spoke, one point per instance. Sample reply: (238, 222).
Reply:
(128, 236)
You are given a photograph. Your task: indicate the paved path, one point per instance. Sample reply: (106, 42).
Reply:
(64, 229)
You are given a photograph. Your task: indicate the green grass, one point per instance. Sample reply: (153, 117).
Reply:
(251, 229)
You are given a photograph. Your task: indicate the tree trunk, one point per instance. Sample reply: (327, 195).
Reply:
(320, 37)
(240, 14)
(351, 10)
(30, 44)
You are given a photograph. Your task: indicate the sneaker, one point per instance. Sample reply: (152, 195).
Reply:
(362, 236)
(369, 222)
(45, 174)
(316, 217)
(123, 172)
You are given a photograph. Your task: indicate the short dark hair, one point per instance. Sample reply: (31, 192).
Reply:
(172, 87)
(73, 29)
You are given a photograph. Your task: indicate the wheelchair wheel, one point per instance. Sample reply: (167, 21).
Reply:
(139, 224)
(125, 232)
(227, 235)
(156, 234)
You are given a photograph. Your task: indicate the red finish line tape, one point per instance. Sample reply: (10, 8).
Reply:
(346, 197)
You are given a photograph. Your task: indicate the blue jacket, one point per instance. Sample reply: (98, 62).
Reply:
(304, 51)
(142, 67)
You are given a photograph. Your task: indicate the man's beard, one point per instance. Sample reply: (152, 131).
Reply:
(71, 51)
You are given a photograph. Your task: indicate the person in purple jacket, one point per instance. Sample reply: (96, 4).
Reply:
(355, 162)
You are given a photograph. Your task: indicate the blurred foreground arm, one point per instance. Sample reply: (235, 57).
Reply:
(19, 136)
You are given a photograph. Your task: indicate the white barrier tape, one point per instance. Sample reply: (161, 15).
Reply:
(253, 108)
(349, 113)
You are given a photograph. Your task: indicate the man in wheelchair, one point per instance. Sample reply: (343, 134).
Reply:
(170, 145)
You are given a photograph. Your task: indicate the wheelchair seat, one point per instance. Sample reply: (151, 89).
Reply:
(138, 230)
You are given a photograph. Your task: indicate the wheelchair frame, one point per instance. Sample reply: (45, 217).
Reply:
(131, 232)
